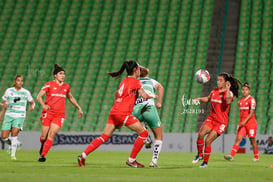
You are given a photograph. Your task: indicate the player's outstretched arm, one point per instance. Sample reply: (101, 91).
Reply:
(74, 102)
(160, 91)
(145, 95)
(40, 100)
(203, 99)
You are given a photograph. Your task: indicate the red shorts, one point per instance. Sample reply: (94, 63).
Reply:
(249, 130)
(215, 125)
(120, 120)
(46, 119)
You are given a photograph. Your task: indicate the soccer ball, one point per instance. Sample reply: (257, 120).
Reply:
(202, 76)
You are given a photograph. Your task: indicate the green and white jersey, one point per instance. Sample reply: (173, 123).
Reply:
(149, 86)
(17, 102)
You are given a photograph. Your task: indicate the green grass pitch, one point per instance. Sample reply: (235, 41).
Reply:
(110, 166)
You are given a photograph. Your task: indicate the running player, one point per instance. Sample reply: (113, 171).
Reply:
(247, 124)
(14, 106)
(217, 120)
(145, 110)
(53, 113)
(121, 113)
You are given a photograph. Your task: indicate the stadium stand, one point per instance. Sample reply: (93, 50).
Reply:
(254, 51)
(92, 37)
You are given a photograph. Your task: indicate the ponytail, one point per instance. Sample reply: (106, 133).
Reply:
(235, 83)
(128, 65)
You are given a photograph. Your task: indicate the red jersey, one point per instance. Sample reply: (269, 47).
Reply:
(127, 95)
(219, 107)
(55, 96)
(245, 105)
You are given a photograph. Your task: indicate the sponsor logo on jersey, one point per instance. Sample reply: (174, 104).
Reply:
(58, 95)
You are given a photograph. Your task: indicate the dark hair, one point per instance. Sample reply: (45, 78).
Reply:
(144, 71)
(246, 85)
(17, 76)
(235, 83)
(57, 69)
(128, 65)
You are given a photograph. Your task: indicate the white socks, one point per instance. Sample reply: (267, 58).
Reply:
(83, 155)
(14, 143)
(131, 160)
(157, 150)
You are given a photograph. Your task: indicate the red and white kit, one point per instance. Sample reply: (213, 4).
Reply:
(250, 128)
(55, 99)
(121, 112)
(218, 117)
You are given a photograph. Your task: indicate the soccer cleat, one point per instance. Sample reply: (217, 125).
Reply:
(81, 161)
(204, 165)
(134, 164)
(42, 159)
(12, 157)
(255, 160)
(228, 157)
(154, 165)
(197, 159)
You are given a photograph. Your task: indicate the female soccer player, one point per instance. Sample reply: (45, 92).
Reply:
(53, 113)
(247, 124)
(217, 120)
(14, 106)
(145, 110)
(121, 113)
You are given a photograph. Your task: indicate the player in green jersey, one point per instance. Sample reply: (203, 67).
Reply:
(145, 110)
(14, 103)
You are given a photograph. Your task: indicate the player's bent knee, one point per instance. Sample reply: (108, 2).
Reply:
(144, 134)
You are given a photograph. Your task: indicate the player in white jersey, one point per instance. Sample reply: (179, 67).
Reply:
(145, 110)
(14, 103)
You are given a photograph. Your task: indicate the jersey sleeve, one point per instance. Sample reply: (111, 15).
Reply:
(252, 104)
(210, 95)
(46, 87)
(154, 82)
(29, 97)
(5, 96)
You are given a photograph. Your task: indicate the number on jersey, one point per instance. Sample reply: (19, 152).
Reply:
(120, 91)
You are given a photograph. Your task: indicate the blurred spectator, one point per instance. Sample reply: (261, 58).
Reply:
(268, 148)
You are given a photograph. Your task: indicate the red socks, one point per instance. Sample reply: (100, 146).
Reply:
(96, 143)
(200, 146)
(256, 154)
(139, 144)
(47, 145)
(234, 150)
(207, 154)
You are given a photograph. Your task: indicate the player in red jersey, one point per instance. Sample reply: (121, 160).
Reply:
(121, 113)
(53, 113)
(247, 124)
(217, 120)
